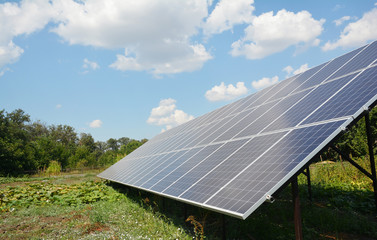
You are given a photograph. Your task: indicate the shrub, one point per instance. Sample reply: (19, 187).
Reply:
(54, 168)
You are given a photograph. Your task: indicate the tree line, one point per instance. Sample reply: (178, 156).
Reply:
(32, 146)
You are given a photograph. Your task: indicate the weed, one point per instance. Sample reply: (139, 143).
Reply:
(198, 228)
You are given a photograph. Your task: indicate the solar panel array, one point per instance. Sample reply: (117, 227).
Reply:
(231, 159)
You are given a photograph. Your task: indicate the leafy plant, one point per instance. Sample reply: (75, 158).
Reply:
(46, 193)
(54, 168)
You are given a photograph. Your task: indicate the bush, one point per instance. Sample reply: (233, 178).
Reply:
(54, 168)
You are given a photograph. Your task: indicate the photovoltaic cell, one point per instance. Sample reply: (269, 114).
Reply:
(216, 133)
(250, 118)
(176, 169)
(194, 174)
(307, 105)
(270, 115)
(144, 173)
(270, 167)
(335, 65)
(248, 101)
(229, 168)
(271, 91)
(158, 172)
(298, 81)
(230, 159)
(139, 166)
(350, 99)
(360, 61)
(210, 130)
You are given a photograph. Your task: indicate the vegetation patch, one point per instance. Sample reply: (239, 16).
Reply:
(61, 194)
(88, 210)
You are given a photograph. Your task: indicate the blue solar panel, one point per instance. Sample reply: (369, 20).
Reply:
(364, 58)
(253, 115)
(350, 99)
(193, 175)
(308, 104)
(296, 84)
(271, 114)
(230, 159)
(270, 167)
(176, 169)
(217, 132)
(229, 168)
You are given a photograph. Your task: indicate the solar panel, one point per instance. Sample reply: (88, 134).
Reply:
(232, 158)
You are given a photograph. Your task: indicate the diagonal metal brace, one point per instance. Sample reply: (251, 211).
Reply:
(352, 162)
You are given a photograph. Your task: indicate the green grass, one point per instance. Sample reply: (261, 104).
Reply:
(89, 210)
(85, 207)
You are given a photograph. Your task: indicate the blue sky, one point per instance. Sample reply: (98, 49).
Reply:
(120, 68)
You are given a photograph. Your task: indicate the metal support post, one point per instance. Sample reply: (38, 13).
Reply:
(297, 210)
(371, 156)
(184, 212)
(223, 223)
(309, 184)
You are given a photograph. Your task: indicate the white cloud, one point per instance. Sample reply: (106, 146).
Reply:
(182, 58)
(228, 13)
(96, 124)
(222, 92)
(264, 82)
(356, 33)
(58, 106)
(288, 69)
(166, 107)
(9, 53)
(291, 71)
(341, 20)
(268, 33)
(301, 69)
(156, 33)
(20, 18)
(3, 71)
(167, 115)
(89, 64)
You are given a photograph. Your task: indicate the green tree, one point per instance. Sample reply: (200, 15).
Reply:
(82, 158)
(64, 134)
(123, 141)
(47, 150)
(37, 129)
(15, 150)
(101, 146)
(113, 144)
(131, 146)
(88, 141)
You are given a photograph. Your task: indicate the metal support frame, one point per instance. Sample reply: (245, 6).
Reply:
(361, 169)
(371, 156)
(371, 175)
(296, 209)
(184, 212)
(307, 174)
(223, 223)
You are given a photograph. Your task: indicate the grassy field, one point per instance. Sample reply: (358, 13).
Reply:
(81, 206)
